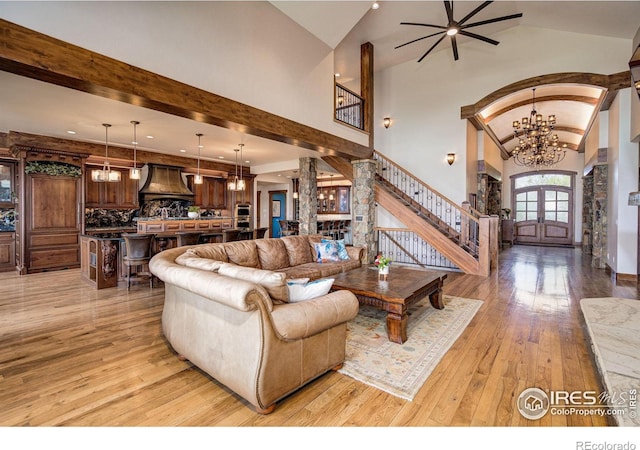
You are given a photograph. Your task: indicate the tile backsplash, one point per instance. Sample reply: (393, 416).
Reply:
(7, 219)
(110, 218)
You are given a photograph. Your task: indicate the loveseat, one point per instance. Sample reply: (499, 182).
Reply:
(227, 310)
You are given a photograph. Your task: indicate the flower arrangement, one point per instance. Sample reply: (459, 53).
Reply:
(382, 261)
(506, 212)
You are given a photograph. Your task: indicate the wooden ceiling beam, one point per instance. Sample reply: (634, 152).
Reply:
(34, 55)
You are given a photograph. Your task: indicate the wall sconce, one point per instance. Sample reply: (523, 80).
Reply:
(340, 99)
(451, 157)
(386, 121)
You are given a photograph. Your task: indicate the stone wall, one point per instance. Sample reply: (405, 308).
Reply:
(587, 214)
(599, 205)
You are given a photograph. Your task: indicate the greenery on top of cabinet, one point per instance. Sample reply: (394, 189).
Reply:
(53, 168)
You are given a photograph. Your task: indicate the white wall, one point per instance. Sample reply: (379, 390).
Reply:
(622, 220)
(247, 51)
(424, 99)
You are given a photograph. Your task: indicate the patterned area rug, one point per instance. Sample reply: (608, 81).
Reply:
(401, 370)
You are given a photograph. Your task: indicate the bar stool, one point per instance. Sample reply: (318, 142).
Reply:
(230, 235)
(216, 235)
(138, 255)
(188, 238)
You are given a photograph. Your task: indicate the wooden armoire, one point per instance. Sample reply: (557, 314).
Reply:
(50, 218)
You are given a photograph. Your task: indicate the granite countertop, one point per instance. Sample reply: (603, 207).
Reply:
(148, 219)
(132, 227)
(7, 228)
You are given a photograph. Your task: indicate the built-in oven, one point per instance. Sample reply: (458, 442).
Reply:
(242, 216)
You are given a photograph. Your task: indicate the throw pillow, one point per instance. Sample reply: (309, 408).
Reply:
(342, 249)
(326, 252)
(307, 291)
(273, 282)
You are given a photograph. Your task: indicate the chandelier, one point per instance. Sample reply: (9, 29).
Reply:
(537, 146)
(106, 174)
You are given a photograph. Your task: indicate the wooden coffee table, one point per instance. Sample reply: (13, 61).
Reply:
(403, 287)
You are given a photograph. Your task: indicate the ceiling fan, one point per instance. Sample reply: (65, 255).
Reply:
(454, 28)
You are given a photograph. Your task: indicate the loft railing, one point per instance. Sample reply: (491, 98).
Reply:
(349, 107)
(405, 247)
(459, 224)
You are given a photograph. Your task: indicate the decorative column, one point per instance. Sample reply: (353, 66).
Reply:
(308, 196)
(364, 206)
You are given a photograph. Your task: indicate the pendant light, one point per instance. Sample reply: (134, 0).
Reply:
(106, 175)
(241, 184)
(331, 187)
(134, 172)
(236, 184)
(321, 196)
(197, 179)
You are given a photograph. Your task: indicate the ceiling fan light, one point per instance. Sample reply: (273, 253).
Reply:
(452, 31)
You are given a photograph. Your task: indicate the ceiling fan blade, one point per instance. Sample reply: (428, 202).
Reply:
(432, 47)
(449, 7)
(454, 45)
(497, 19)
(419, 39)
(477, 36)
(423, 25)
(474, 12)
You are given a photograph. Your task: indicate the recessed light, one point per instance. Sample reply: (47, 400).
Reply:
(149, 137)
(71, 132)
(279, 174)
(247, 161)
(337, 75)
(220, 157)
(183, 150)
(375, 5)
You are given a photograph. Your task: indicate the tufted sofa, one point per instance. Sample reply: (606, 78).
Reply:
(226, 310)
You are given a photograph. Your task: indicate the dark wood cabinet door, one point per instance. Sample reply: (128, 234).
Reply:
(52, 222)
(92, 192)
(123, 194)
(128, 192)
(218, 193)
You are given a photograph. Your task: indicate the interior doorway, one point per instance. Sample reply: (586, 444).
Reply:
(277, 211)
(543, 206)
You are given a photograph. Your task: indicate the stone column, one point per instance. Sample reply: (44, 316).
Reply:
(599, 236)
(364, 206)
(308, 196)
(587, 214)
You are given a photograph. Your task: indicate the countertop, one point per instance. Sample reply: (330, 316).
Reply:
(149, 219)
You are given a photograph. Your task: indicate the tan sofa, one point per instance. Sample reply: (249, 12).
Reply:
(239, 326)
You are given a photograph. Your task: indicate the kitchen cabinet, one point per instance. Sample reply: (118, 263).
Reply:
(117, 195)
(341, 203)
(7, 252)
(52, 223)
(211, 194)
(6, 185)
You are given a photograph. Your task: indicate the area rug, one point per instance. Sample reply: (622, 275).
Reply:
(402, 369)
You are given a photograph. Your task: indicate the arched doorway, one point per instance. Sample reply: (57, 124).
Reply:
(542, 202)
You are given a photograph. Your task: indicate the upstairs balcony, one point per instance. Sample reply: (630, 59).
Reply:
(349, 107)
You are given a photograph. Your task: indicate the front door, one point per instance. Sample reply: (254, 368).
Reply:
(543, 205)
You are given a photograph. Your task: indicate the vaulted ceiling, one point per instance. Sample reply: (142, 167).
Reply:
(343, 26)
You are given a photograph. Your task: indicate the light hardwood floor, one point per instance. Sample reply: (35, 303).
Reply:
(74, 356)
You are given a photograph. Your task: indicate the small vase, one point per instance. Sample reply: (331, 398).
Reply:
(193, 214)
(383, 272)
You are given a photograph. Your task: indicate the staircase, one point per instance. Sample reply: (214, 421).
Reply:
(461, 234)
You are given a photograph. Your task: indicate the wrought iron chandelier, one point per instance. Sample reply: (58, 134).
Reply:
(537, 145)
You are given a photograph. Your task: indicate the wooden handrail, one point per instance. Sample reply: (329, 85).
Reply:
(402, 169)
